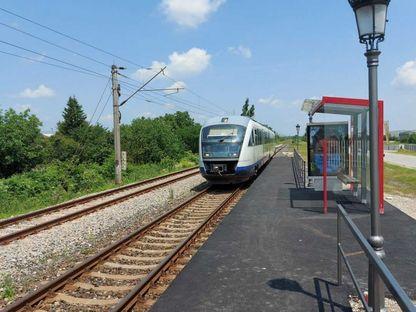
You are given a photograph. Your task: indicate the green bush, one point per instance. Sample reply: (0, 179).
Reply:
(21, 142)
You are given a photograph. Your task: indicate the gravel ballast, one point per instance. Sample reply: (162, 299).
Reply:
(39, 257)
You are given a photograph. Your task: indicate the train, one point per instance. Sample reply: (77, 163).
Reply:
(233, 149)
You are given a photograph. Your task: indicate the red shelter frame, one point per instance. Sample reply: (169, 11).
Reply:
(350, 106)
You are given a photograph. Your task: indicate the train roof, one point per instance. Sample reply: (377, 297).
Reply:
(233, 120)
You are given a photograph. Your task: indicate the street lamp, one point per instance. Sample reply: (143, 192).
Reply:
(371, 17)
(297, 135)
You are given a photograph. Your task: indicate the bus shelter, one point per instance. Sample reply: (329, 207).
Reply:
(346, 146)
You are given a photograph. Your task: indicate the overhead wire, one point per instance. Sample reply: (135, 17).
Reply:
(54, 44)
(166, 101)
(71, 37)
(52, 58)
(197, 95)
(176, 100)
(173, 97)
(82, 69)
(47, 63)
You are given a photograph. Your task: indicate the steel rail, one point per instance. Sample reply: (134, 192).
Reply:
(84, 199)
(35, 297)
(130, 300)
(74, 215)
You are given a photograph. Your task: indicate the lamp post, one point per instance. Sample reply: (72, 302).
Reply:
(297, 135)
(371, 18)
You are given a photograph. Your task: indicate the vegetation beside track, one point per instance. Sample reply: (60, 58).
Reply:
(399, 180)
(61, 181)
(38, 170)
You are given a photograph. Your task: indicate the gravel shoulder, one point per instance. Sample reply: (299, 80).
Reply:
(36, 259)
(407, 205)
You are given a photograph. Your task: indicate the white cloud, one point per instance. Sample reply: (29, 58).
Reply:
(176, 85)
(41, 91)
(270, 101)
(406, 75)
(148, 114)
(191, 62)
(108, 117)
(169, 106)
(241, 51)
(190, 13)
(23, 107)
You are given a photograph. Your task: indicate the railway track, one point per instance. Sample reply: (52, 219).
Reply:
(130, 273)
(23, 225)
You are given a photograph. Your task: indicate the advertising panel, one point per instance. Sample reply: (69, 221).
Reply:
(335, 135)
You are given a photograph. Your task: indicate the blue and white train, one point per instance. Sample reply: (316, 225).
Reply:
(232, 149)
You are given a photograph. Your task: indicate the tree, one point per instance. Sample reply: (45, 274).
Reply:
(21, 142)
(185, 127)
(247, 110)
(251, 111)
(74, 118)
(93, 144)
(150, 141)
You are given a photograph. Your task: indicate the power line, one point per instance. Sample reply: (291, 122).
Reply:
(165, 101)
(52, 58)
(141, 87)
(198, 95)
(54, 44)
(71, 37)
(50, 64)
(171, 108)
(99, 101)
(199, 106)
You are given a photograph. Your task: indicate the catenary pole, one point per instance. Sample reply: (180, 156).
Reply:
(116, 119)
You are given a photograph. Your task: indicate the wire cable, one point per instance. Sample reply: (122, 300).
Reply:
(165, 101)
(52, 58)
(180, 101)
(50, 64)
(54, 44)
(70, 37)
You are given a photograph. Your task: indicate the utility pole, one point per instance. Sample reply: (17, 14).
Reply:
(116, 119)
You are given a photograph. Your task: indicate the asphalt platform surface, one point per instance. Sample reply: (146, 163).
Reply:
(276, 251)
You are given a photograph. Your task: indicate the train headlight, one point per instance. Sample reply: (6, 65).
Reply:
(206, 154)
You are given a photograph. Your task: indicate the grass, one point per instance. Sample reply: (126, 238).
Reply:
(406, 152)
(399, 180)
(26, 195)
(302, 147)
(7, 290)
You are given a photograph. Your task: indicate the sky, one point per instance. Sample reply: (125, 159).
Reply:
(276, 53)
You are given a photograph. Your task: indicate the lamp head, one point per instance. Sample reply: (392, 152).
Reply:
(371, 18)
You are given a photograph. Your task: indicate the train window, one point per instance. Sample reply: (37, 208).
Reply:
(251, 141)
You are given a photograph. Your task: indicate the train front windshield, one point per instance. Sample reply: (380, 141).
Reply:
(222, 141)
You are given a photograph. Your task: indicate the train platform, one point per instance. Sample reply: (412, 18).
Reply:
(276, 251)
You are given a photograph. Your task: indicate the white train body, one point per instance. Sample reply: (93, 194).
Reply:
(232, 149)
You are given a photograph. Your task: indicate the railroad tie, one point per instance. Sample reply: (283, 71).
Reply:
(118, 277)
(116, 265)
(102, 288)
(139, 258)
(85, 301)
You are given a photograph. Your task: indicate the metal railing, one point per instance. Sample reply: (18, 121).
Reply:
(395, 289)
(396, 147)
(299, 166)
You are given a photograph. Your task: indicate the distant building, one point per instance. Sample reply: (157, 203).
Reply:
(399, 134)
